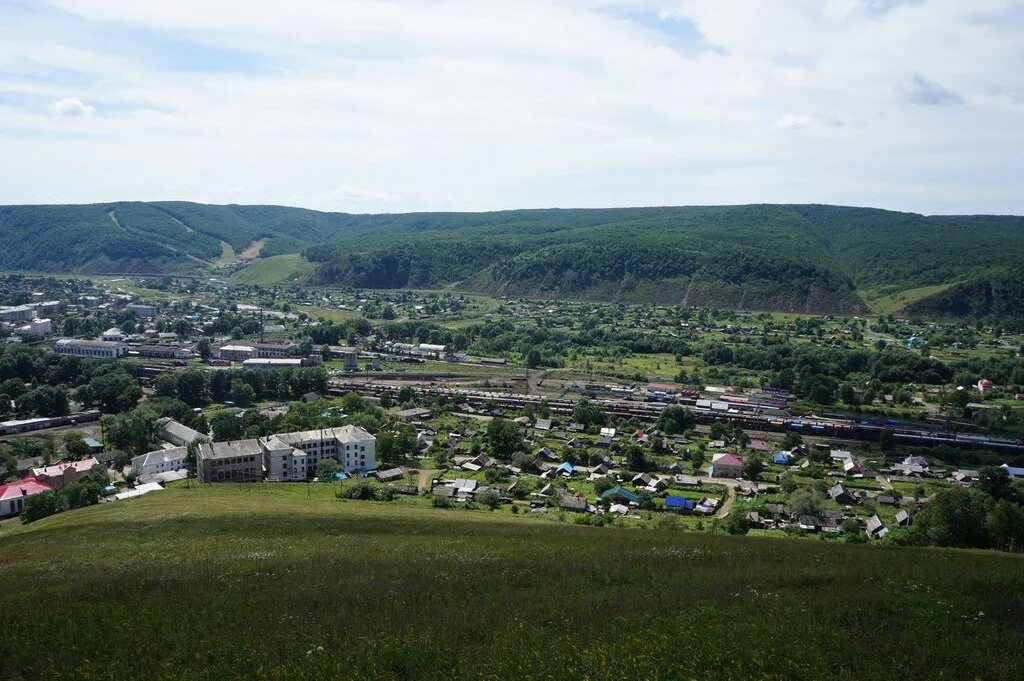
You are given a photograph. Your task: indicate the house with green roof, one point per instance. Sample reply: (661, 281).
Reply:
(621, 494)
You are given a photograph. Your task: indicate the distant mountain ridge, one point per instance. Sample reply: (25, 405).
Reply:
(801, 258)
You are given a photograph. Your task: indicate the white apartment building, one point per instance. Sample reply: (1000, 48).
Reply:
(16, 313)
(159, 461)
(294, 456)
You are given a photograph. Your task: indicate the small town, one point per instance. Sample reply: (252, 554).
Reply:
(554, 339)
(180, 391)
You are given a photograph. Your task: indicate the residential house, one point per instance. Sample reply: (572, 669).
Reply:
(725, 465)
(875, 527)
(565, 469)
(64, 472)
(679, 504)
(620, 494)
(852, 468)
(413, 414)
(642, 479)
(841, 495)
(13, 495)
(574, 503)
(964, 477)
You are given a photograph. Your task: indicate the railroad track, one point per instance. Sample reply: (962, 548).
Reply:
(749, 419)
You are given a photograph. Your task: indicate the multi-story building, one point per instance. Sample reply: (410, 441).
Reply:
(36, 326)
(287, 456)
(235, 461)
(294, 456)
(275, 350)
(159, 461)
(90, 348)
(18, 313)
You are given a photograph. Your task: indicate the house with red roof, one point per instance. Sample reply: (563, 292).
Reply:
(64, 472)
(726, 466)
(14, 494)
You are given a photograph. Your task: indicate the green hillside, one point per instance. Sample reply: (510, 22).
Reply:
(800, 258)
(996, 299)
(175, 237)
(273, 270)
(285, 581)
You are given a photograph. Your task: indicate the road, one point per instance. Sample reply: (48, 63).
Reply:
(726, 507)
(730, 485)
(424, 479)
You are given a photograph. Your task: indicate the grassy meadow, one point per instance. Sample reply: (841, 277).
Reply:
(286, 581)
(272, 270)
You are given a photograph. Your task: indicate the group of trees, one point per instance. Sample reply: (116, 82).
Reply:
(988, 515)
(675, 420)
(38, 383)
(85, 491)
(197, 387)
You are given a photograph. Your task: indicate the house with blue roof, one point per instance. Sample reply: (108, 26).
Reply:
(566, 468)
(680, 504)
(1013, 471)
(781, 458)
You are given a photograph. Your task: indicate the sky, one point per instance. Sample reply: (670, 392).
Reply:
(392, 106)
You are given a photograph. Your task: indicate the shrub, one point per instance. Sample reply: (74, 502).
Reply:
(490, 499)
(737, 523)
(361, 490)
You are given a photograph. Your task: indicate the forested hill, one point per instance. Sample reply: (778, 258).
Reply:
(171, 236)
(996, 299)
(782, 257)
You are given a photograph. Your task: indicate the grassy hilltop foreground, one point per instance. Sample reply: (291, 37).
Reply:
(285, 581)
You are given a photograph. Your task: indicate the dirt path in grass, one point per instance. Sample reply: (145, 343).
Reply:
(425, 478)
(730, 498)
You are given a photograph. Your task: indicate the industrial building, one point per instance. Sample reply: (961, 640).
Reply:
(90, 348)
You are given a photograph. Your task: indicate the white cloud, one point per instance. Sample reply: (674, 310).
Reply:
(793, 122)
(466, 104)
(72, 106)
(920, 90)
